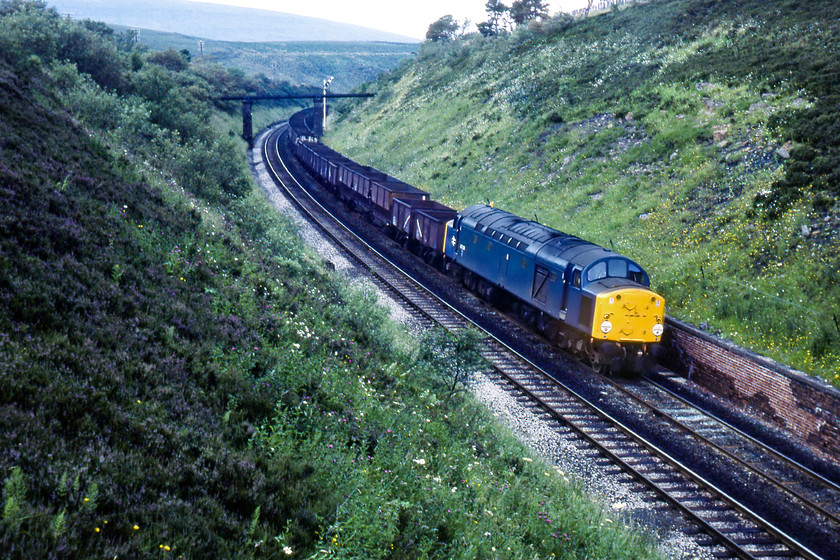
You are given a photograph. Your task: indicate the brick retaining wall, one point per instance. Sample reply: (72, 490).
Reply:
(805, 406)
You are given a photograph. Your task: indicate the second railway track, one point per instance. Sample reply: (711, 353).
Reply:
(727, 516)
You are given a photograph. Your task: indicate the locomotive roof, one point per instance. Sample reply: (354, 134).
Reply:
(532, 237)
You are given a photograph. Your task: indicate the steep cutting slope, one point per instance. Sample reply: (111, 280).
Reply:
(698, 136)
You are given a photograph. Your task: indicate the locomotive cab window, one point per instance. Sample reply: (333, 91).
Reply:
(616, 268)
(597, 271)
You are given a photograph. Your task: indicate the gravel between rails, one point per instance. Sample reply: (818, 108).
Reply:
(612, 491)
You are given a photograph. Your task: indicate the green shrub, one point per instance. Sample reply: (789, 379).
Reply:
(211, 171)
(454, 356)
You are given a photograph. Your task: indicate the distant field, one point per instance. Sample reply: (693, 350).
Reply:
(308, 63)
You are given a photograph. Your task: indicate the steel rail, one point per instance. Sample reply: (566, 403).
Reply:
(817, 477)
(751, 467)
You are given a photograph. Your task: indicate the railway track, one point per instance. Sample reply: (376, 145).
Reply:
(732, 529)
(797, 482)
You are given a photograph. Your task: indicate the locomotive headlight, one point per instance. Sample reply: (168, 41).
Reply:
(658, 329)
(606, 327)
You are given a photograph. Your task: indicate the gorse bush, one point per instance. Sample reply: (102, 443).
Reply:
(698, 137)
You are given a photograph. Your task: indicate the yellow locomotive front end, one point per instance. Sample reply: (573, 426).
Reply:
(629, 316)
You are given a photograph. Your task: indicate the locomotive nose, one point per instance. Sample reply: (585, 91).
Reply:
(629, 315)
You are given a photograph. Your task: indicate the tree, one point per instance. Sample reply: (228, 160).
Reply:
(486, 29)
(102, 29)
(527, 10)
(454, 357)
(93, 52)
(127, 40)
(443, 29)
(497, 18)
(171, 59)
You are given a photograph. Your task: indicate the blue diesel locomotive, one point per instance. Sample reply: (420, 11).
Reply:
(586, 298)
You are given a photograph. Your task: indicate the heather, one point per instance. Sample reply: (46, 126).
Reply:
(180, 377)
(698, 137)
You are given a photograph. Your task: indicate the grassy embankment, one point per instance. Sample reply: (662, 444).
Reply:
(698, 137)
(181, 378)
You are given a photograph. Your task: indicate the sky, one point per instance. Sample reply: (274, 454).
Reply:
(404, 17)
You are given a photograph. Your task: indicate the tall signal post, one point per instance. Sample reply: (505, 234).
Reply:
(327, 83)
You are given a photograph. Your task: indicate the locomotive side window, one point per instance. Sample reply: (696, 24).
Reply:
(637, 275)
(576, 278)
